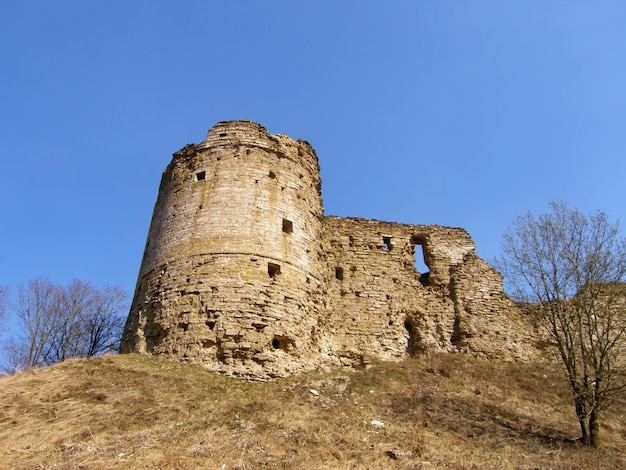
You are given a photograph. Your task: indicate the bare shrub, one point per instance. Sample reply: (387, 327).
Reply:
(57, 322)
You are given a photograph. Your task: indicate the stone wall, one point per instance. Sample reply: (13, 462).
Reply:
(380, 305)
(243, 273)
(231, 267)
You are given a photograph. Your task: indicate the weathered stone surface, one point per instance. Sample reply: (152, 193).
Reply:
(243, 273)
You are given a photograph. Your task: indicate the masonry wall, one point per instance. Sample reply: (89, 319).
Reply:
(231, 268)
(382, 306)
(243, 273)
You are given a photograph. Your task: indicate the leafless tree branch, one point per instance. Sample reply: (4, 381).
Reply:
(571, 268)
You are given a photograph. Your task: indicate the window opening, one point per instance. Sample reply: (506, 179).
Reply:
(273, 269)
(387, 242)
(287, 226)
(339, 273)
(271, 174)
(420, 261)
(200, 176)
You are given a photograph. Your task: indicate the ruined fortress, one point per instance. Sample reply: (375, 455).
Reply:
(243, 273)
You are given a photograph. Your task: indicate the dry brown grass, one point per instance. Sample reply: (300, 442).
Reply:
(440, 411)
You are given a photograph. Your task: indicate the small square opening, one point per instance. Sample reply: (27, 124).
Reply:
(201, 176)
(287, 226)
(273, 269)
(387, 242)
(339, 273)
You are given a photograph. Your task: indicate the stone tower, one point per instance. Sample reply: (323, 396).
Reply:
(231, 269)
(243, 273)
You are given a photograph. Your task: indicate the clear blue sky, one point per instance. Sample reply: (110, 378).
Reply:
(461, 113)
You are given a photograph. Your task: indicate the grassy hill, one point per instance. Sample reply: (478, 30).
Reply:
(431, 412)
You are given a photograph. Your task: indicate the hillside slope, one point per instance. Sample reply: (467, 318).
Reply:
(444, 411)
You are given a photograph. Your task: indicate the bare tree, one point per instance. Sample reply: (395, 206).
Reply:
(58, 322)
(571, 268)
(34, 310)
(103, 325)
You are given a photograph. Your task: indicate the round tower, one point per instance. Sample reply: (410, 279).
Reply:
(231, 271)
